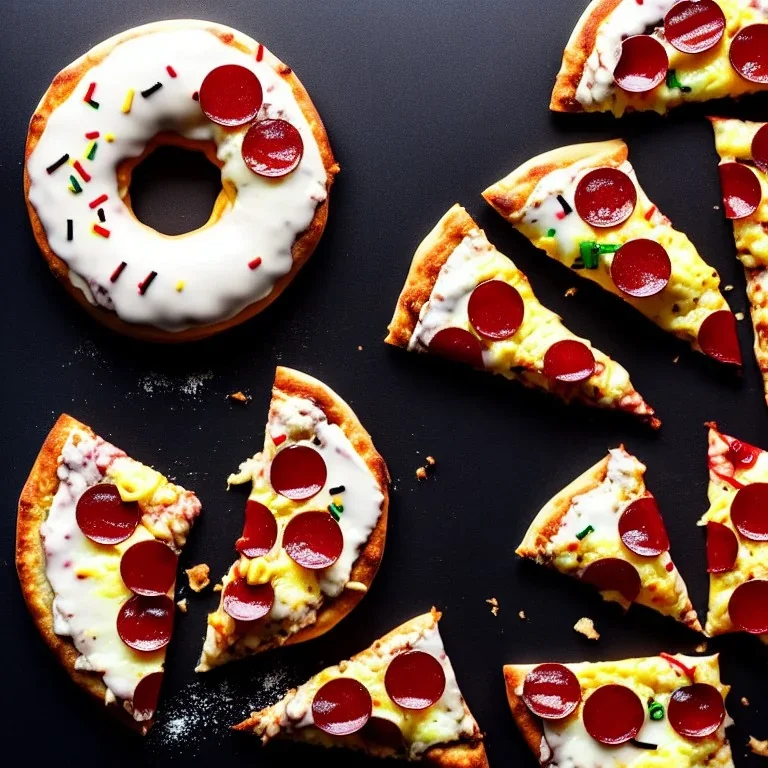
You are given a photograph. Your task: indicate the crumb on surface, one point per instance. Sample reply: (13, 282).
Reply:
(571, 292)
(238, 397)
(715, 207)
(494, 603)
(728, 288)
(702, 647)
(421, 473)
(744, 701)
(198, 576)
(521, 615)
(758, 747)
(585, 626)
(359, 347)
(356, 586)
(218, 587)
(738, 315)
(182, 604)
(676, 360)
(431, 461)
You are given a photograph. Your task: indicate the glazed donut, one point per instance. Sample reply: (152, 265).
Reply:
(201, 86)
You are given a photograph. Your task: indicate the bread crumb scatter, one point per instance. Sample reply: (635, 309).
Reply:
(198, 576)
(360, 348)
(182, 604)
(758, 747)
(744, 701)
(702, 647)
(239, 397)
(521, 615)
(494, 603)
(218, 587)
(739, 315)
(571, 292)
(585, 626)
(676, 360)
(728, 288)
(421, 473)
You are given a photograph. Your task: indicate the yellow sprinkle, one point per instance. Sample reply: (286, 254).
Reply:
(128, 103)
(88, 150)
(337, 500)
(180, 286)
(110, 137)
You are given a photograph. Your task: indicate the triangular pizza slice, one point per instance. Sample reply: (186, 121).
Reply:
(658, 711)
(583, 206)
(315, 525)
(466, 301)
(737, 537)
(605, 529)
(629, 55)
(97, 542)
(398, 698)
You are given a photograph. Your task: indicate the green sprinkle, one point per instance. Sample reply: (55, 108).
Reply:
(74, 185)
(92, 151)
(583, 534)
(674, 82)
(551, 232)
(336, 511)
(591, 251)
(655, 710)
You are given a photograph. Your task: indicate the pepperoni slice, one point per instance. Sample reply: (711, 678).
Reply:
(298, 472)
(146, 695)
(641, 268)
(613, 714)
(614, 575)
(149, 567)
(551, 691)
(458, 345)
(383, 732)
(415, 680)
(748, 606)
(272, 148)
(642, 530)
(247, 602)
(749, 53)
(342, 706)
(749, 512)
(760, 149)
(313, 540)
(104, 517)
(231, 95)
(146, 623)
(496, 310)
(643, 64)
(694, 26)
(605, 197)
(722, 548)
(741, 190)
(718, 338)
(696, 711)
(569, 360)
(259, 531)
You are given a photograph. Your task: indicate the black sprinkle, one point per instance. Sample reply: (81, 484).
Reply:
(63, 159)
(337, 489)
(102, 215)
(156, 87)
(70, 229)
(643, 744)
(316, 441)
(566, 207)
(146, 282)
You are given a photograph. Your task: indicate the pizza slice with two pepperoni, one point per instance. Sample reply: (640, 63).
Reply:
(605, 529)
(466, 301)
(584, 207)
(398, 698)
(658, 711)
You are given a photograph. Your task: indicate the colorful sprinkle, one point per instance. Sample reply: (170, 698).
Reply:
(643, 744)
(128, 101)
(655, 710)
(98, 201)
(90, 150)
(551, 232)
(565, 205)
(279, 439)
(337, 490)
(55, 166)
(260, 52)
(99, 230)
(673, 82)
(102, 216)
(170, 70)
(83, 173)
(649, 213)
(336, 511)
(152, 89)
(89, 96)
(118, 271)
(583, 534)
(255, 263)
(180, 286)
(146, 282)
(74, 185)
(109, 137)
(590, 252)
(70, 229)
(92, 135)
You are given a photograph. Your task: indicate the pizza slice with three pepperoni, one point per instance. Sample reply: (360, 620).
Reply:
(737, 537)
(315, 525)
(397, 698)
(605, 529)
(584, 206)
(466, 301)
(659, 711)
(97, 542)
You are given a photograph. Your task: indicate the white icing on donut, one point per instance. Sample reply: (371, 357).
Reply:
(204, 276)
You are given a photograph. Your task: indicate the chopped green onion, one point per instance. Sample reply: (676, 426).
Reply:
(551, 232)
(674, 82)
(583, 534)
(656, 710)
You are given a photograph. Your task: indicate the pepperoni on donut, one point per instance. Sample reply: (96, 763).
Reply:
(146, 695)
(749, 511)
(748, 606)
(231, 95)
(694, 26)
(642, 529)
(146, 623)
(741, 190)
(643, 64)
(613, 575)
(613, 714)
(298, 472)
(718, 338)
(247, 602)
(605, 197)
(383, 732)
(641, 268)
(149, 567)
(696, 711)
(272, 148)
(458, 345)
(551, 691)
(341, 707)
(259, 530)
(722, 548)
(104, 517)
(569, 360)
(415, 680)
(760, 149)
(496, 310)
(749, 53)
(313, 540)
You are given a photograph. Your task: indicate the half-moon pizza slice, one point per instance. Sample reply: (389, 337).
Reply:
(315, 525)
(605, 529)
(97, 542)
(663, 711)
(398, 698)
(584, 207)
(628, 55)
(737, 537)
(465, 301)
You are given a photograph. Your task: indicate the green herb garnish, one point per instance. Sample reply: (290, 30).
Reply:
(583, 534)
(673, 82)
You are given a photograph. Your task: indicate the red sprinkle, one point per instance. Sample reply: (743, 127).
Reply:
(98, 201)
(99, 230)
(649, 213)
(279, 440)
(89, 93)
(118, 271)
(146, 282)
(79, 168)
(689, 671)
(92, 135)
(260, 52)
(254, 263)
(170, 70)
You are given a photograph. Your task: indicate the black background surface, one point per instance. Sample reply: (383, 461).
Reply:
(426, 103)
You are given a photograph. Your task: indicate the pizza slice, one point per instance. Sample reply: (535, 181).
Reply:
(659, 711)
(606, 530)
(398, 698)
(737, 537)
(584, 207)
(97, 542)
(465, 301)
(315, 525)
(628, 55)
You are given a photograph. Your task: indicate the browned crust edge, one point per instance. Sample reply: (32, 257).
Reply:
(528, 724)
(61, 88)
